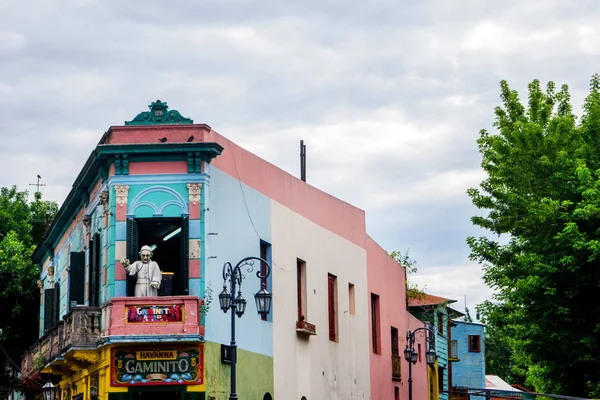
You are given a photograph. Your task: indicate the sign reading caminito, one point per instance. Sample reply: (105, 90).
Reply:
(158, 366)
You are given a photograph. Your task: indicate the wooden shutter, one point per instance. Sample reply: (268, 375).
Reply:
(331, 304)
(56, 304)
(76, 278)
(94, 271)
(185, 257)
(132, 249)
(48, 309)
(299, 287)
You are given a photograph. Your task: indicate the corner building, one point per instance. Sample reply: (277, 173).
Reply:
(200, 201)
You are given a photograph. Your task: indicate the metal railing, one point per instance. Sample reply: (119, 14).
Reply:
(491, 394)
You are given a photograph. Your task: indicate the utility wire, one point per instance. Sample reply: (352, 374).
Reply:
(237, 172)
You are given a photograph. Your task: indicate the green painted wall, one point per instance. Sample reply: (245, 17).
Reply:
(254, 374)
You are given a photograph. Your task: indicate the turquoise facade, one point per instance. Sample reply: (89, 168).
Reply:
(469, 370)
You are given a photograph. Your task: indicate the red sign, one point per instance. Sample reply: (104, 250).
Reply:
(167, 313)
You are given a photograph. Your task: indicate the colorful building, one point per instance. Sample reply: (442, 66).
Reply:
(201, 201)
(468, 349)
(435, 311)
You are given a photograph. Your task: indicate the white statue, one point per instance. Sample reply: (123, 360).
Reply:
(147, 272)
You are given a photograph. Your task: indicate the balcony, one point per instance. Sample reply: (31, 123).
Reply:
(78, 332)
(126, 318)
(396, 367)
(306, 328)
(72, 343)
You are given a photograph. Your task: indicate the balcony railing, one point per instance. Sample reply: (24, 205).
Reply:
(79, 329)
(396, 367)
(122, 319)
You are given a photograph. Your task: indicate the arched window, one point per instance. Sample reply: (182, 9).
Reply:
(267, 396)
(303, 398)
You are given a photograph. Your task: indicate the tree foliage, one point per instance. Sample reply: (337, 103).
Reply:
(22, 225)
(410, 266)
(542, 198)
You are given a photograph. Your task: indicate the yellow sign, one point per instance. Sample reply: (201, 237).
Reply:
(156, 355)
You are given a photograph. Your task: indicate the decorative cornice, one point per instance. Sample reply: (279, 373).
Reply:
(194, 192)
(121, 191)
(88, 357)
(159, 115)
(104, 199)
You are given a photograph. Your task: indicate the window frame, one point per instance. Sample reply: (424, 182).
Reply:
(477, 348)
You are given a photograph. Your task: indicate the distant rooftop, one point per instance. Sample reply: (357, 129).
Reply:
(495, 382)
(428, 300)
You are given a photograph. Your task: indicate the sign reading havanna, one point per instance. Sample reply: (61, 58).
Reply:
(168, 366)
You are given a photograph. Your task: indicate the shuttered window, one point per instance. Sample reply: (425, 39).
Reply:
(94, 271)
(332, 306)
(48, 309)
(77, 278)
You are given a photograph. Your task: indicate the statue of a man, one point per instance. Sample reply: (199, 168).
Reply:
(147, 272)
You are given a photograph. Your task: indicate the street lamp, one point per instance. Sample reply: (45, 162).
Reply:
(237, 303)
(49, 391)
(411, 355)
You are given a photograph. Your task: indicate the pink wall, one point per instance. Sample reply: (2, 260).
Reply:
(387, 280)
(165, 167)
(321, 208)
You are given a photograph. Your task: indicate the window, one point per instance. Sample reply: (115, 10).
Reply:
(454, 349)
(395, 346)
(474, 343)
(375, 324)
(265, 254)
(77, 278)
(332, 306)
(441, 371)
(94, 271)
(351, 300)
(396, 393)
(419, 351)
(301, 289)
(169, 238)
(51, 306)
(440, 323)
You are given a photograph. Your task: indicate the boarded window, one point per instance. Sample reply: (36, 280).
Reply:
(301, 289)
(395, 345)
(265, 254)
(375, 334)
(332, 306)
(351, 299)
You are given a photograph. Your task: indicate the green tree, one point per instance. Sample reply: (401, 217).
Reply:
(542, 197)
(22, 225)
(410, 265)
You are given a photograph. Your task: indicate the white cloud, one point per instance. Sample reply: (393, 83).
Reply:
(388, 96)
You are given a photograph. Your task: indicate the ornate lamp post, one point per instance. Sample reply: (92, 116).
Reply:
(411, 355)
(229, 300)
(49, 391)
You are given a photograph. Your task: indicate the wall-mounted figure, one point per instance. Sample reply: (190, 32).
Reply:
(147, 272)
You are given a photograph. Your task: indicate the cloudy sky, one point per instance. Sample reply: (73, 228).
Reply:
(389, 96)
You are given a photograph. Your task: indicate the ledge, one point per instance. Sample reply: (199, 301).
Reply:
(306, 328)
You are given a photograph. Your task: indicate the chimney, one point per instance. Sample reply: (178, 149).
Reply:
(302, 161)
